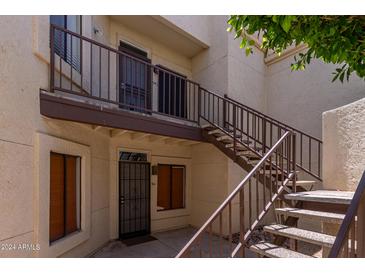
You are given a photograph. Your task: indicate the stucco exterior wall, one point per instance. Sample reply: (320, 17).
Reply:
(18, 118)
(344, 146)
(196, 25)
(298, 98)
(209, 185)
(246, 75)
(210, 67)
(157, 52)
(24, 58)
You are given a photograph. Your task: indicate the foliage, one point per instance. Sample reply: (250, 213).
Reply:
(333, 39)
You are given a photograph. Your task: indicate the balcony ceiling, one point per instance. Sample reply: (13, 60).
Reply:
(164, 32)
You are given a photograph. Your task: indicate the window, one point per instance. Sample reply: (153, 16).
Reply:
(66, 49)
(170, 187)
(172, 92)
(65, 181)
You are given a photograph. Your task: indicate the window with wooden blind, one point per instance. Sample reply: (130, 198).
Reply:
(170, 187)
(65, 184)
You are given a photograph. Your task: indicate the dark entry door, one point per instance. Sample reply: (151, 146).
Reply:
(134, 193)
(135, 79)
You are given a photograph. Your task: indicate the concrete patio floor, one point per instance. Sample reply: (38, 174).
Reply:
(167, 245)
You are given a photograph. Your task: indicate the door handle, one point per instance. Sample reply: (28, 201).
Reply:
(122, 200)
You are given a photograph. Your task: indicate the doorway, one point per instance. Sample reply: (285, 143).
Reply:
(134, 195)
(135, 79)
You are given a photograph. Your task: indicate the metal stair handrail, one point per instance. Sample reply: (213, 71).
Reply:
(239, 190)
(350, 240)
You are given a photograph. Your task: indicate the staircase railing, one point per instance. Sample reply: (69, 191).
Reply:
(248, 204)
(350, 240)
(309, 148)
(85, 68)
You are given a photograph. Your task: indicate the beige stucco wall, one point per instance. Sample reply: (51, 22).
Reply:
(157, 52)
(18, 118)
(195, 25)
(223, 68)
(209, 185)
(299, 98)
(210, 66)
(24, 57)
(344, 146)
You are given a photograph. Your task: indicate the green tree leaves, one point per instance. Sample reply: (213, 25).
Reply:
(333, 39)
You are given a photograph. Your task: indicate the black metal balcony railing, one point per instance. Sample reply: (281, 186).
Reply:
(106, 75)
(109, 76)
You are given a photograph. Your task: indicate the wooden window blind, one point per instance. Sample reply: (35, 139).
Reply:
(170, 187)
(64, 195)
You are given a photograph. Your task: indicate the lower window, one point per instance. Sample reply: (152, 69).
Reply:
(170, 187)
(65, 184)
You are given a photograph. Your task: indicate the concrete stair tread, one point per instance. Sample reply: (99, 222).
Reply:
(327, 217)
(273, 251)
(322, 196)
(302, 183)
(216, 131)
(247, 153)
(301, 234)
(207, 127)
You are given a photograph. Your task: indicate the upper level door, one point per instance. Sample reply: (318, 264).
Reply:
(135, 79)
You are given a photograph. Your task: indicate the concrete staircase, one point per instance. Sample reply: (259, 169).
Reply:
(321, 206)
(294, 207)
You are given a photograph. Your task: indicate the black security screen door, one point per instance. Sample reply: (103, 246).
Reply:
(134, 193)
(135, 79)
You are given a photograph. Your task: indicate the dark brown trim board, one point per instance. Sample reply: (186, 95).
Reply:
(70, 110)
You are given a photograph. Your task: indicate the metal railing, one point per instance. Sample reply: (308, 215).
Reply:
(89, 70)
(308, 147)
(86, 68)
(350, 240)
(256, 194)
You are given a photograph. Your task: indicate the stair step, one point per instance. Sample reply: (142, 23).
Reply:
(208, 127)
(273, 172)
(322, 216)
(229, 140)
(301, 234)
(225, 137)
(216, 132)
(247, 153)
(302, 183)
(274, 251)
(230, 145)
(322, 196)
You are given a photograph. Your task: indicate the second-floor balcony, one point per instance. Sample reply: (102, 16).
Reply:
(90, 74)
(120, 88)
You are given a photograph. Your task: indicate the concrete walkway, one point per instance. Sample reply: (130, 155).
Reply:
(167, 245)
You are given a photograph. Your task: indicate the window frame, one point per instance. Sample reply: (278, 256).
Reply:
(78, 196)
(65, 39)
(171, 166)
